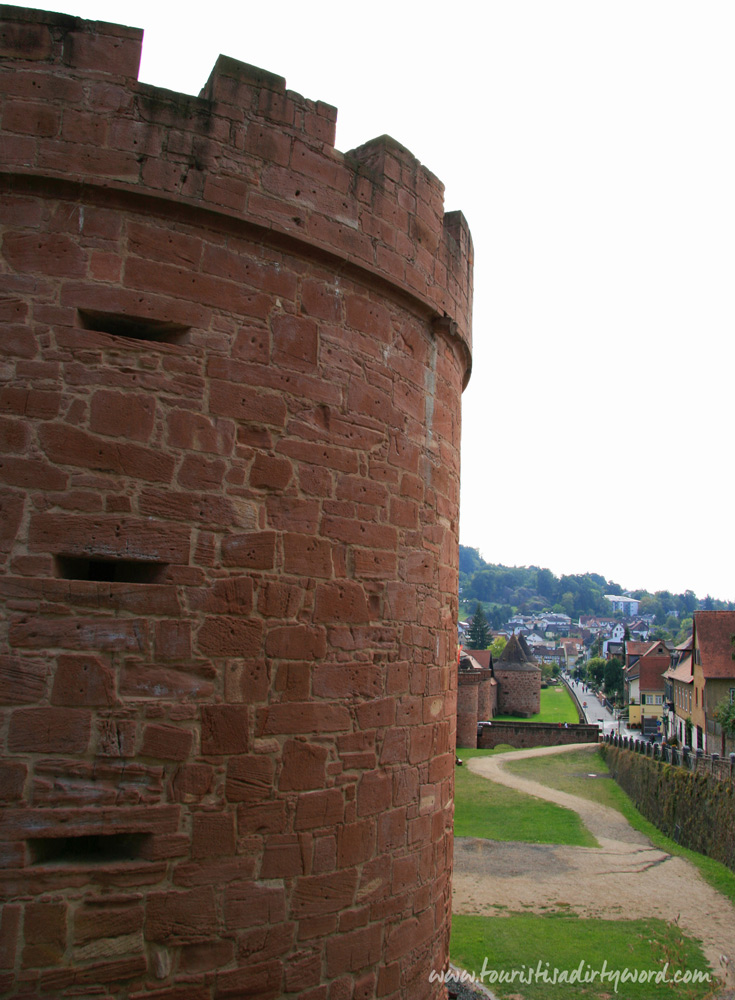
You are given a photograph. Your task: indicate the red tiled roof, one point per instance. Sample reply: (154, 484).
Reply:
(714, 631)
(635, 648)
(481, 655)
(681, 673)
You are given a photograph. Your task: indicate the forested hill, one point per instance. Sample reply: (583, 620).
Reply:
(505, 589)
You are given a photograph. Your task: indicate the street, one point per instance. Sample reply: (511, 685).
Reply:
(595, 712)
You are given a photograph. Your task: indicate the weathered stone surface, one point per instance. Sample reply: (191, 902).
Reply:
(232, 360)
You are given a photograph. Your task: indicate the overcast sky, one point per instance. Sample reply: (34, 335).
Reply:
(591, 146)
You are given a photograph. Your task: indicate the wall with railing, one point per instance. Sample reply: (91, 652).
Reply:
(691, 760)
(687, 795)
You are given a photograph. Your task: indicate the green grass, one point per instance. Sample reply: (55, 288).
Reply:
(523, 940)
(556, 706)
(485, 809)
(568, 772)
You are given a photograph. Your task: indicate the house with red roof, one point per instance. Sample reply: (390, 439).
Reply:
(713, 675)
(646, 664)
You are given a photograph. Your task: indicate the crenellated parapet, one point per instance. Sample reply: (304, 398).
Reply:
(247, 148)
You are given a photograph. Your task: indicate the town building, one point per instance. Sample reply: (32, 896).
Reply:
(623, 605)
(713, 675)
(678, 694)
(644, 685)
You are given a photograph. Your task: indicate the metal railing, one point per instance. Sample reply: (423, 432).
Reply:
(696, 761)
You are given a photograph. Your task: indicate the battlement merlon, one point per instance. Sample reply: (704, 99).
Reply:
(247, 148)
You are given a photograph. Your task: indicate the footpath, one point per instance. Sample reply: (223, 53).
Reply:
(624, 878)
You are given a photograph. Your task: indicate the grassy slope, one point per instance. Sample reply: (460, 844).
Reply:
(522, 939)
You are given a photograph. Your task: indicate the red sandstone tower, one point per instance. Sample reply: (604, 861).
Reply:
(231, 364)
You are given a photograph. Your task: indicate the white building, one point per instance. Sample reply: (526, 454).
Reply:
(624, 605)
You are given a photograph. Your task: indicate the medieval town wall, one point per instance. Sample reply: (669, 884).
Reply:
(231, 364)
(534, 734)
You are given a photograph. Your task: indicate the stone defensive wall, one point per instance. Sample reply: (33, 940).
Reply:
(688, 796)
(534, 734)
(231, 365)
(475, 703)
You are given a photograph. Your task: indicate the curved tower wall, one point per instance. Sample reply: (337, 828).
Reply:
(232, 361)
(468, 693)
(487, 694)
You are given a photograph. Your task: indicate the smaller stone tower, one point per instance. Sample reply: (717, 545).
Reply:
(519, 681)
(476, 697)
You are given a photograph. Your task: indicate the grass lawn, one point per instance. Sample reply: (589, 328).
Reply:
(556, 706)
(569, 772)
(544, 943)
(485, 809)
(518, 941)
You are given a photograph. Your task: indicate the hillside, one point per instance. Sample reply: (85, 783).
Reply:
(502, 590)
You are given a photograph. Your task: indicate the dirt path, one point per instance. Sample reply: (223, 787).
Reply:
(625, 878)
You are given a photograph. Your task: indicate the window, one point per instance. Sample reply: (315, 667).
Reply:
(109, 570)
(133, 327)
(88, 849)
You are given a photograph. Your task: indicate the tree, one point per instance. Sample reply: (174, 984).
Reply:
(685, 630)
(596, 669)
(478, 636)
(689, 602)
(567, 603)
(725, 715)
(614, 679)
(498, 645)
(545, 581)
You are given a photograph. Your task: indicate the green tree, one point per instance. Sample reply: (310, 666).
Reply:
(689, 602)
(478, 636)
(498, 645)
(672, 624)
(614, 679)
(596, 669)
(685, 630)
(725, 715)
(567, 603)
(545, 581)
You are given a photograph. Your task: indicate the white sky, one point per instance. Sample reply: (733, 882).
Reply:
(591, 146)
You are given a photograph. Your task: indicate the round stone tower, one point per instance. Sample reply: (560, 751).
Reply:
(232, 360)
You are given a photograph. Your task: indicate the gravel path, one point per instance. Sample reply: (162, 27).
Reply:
(625, 878)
